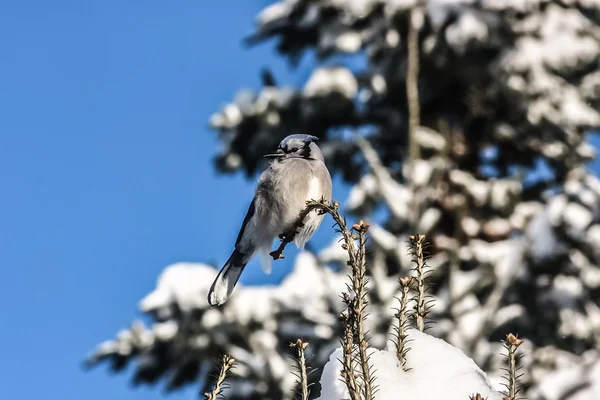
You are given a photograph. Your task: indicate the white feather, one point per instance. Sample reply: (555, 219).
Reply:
(312, 220)
(266, 261)
(314, 189)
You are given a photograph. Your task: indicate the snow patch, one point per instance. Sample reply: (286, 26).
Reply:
(438, 371)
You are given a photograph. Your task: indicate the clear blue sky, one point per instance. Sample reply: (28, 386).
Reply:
(106, 174)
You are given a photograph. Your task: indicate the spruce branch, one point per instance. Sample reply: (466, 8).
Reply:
(477, 396)
(401, 315)
(354, 332)
(417, 248)
(300, 346)
(348, 368)
(358, 278)
(226, 363)
(512, 343)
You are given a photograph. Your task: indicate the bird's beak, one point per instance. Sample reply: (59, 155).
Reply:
(274, 155)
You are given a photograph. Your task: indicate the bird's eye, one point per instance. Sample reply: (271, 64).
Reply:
(295, 149)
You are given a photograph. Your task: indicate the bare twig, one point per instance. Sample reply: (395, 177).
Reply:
(300, 346)
(512, 343)
(227, 363)
(414, 108)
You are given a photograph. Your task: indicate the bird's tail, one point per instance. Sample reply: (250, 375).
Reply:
(225, 281)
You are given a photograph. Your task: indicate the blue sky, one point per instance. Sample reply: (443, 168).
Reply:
(106, 172)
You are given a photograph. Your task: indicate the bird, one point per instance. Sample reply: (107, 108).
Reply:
(296, 174)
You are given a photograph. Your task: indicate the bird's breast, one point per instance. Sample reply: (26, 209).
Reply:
(314, 189)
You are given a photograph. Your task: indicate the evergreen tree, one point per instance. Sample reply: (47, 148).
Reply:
(466, 121)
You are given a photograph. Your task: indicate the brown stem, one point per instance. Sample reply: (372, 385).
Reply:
(401, 348)
(348, 352)
(359, 272)
(417, 242)
(414, 108)
(476, 397)
(354, 329)
(512, 343)
(300, 347)
(412, 88)
(227, 363)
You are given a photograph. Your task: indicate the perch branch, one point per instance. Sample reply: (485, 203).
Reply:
(354, 332)
(290, 234)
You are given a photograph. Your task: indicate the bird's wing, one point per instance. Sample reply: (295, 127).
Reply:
(249, 215)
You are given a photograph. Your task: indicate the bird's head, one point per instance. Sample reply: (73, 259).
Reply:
(298, 146)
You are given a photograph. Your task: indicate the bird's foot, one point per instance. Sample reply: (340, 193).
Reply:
(288, 236)
(277, 254)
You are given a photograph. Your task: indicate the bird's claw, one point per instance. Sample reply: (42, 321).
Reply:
(276, 255)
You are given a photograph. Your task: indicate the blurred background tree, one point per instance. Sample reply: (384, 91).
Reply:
(464, 120)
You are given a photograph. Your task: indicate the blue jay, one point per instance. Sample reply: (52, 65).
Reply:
(297, 174)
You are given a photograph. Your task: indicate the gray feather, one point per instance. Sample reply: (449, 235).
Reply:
(297, 175)
(249, 215)
(227, 278)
